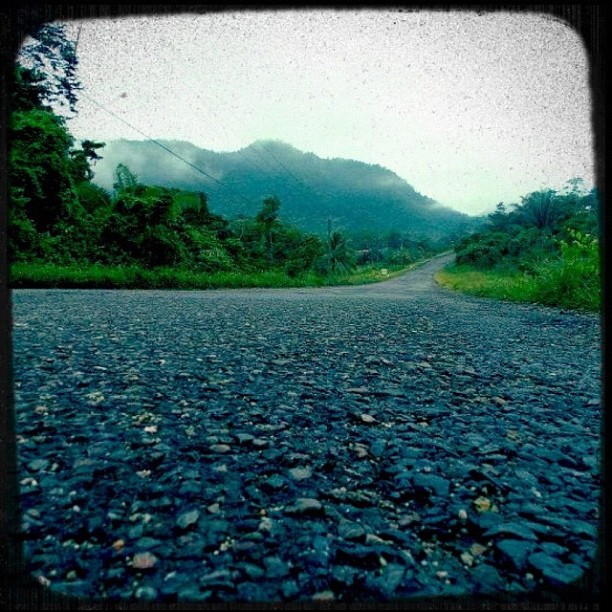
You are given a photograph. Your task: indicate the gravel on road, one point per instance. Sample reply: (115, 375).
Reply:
(343, 444)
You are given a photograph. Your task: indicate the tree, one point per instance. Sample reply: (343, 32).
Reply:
(42, 170)
(499, 219)
(40, 167)
(141, 225)
(125, 179)
(28, 91)
(267, 219)
(395, 240)
(541, 209)
(338, 255)
(83, 158)
(576, 185)
(50, 64)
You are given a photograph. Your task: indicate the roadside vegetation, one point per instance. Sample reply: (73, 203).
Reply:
(66, 231)
(543, 250)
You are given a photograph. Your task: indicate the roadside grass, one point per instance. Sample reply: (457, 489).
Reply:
(565, 283)
(96, 276)
(41, 275)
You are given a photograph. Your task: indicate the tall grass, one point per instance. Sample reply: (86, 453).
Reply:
(571, 280)
(45, 275)
(133, 277)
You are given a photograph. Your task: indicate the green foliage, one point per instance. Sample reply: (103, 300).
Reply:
(83, 158)
(22, 236)
(531, 232)
(267, 220)
(393, 248)
(28, 90)
(545, 250)
(338, 257)
(125, 180)
(51, 60)
(39, 167)
(572, 280)
(299, 251)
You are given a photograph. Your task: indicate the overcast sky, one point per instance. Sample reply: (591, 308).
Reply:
(470, 109)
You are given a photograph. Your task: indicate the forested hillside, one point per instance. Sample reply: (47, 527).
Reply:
(354, 195)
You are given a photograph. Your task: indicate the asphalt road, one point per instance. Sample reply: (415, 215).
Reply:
(341, 444)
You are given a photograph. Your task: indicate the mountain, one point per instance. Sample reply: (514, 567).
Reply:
(356, 196)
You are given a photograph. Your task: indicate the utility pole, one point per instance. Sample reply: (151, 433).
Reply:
(329, 251)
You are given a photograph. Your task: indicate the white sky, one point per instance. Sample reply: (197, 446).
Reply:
(470, 110)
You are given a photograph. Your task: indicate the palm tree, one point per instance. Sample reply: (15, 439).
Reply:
(339, 257)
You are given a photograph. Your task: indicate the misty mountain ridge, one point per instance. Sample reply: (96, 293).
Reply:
(354, 195)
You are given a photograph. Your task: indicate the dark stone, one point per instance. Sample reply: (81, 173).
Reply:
(306, 506)
(252, 571)
(526, 477)
(273, 484)
(190, 488)
(388, 581)
(554, 549)
(361, 529)
(486, 577)
(214, 533)
(188, 519)
(146, 593)
(44, 560)
(136, 531)
(155, 459)
(515, 530)
(343, 575)
(321, 546)
(401, 476)
(290, 589)
(515, 552)
(191, 593)
(38, 465)
(246, 548)
(377, 448)
(147, 543)
(251, 591)
(430, 483)
(217, 579)
(358, 555)
(485, 520)
(540, 530)
(554, 570)
(583, 529)
(349, 530)
(573, 464)
(275, 567)
(246, 525)
(403, 538)
(162, 503)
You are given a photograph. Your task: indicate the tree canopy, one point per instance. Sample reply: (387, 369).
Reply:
(48, 66)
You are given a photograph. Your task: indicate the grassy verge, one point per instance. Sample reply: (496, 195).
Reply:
(556, 283)
(43, 275)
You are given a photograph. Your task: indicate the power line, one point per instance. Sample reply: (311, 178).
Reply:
(159, 144)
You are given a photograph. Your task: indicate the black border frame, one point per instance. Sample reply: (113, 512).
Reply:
(19, 591)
